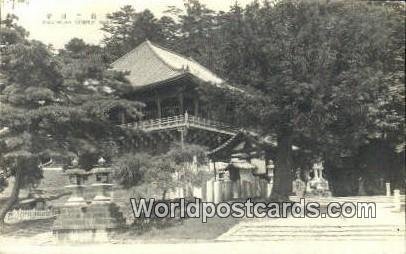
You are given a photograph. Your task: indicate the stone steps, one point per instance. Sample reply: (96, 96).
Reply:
(382, 202)
(281, 233)
(388, 225)
(376, 199)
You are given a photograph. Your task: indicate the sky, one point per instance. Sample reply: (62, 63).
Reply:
(57, 21)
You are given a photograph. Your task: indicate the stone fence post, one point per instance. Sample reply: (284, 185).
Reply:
(388, 191)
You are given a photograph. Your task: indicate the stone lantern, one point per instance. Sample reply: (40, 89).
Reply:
(92, 221)
(103, 185)
(77, 178)
(241, 173)
(72, 214)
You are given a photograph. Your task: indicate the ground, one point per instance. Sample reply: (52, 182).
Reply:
(308, 246)
(190, 230)
(383, 234)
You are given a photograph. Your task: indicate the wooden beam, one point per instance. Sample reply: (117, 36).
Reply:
(158, 105)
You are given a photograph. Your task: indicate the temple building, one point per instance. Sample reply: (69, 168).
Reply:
(166, 82)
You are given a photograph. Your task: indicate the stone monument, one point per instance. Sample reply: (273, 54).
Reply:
(317, 186)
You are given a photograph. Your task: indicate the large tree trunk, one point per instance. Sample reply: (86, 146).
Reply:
(282, 185)
(11, 200)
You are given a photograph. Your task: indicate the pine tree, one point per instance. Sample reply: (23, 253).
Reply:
(52, 107)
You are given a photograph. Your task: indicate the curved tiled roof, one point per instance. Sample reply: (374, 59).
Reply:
(150, 64)
(226, 145)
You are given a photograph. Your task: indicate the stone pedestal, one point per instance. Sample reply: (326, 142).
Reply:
(88, 223)
(318, 186)
(103, 192)
(76, 198)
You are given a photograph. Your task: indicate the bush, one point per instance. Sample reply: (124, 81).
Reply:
(130, 168)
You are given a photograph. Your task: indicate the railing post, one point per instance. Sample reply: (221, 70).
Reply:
(186, 118)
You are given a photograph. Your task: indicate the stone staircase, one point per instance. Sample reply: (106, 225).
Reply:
(261, 232)
(388, 225)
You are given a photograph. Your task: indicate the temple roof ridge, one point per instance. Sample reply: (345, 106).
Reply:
(152, 46)
(183, 63)
(149, 63)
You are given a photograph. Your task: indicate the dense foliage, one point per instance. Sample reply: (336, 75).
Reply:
(53, 107)
(176, 168)
(327, 76)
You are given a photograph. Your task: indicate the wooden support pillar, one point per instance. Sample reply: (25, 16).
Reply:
(158, 105)
(181, 99)
(182, 137)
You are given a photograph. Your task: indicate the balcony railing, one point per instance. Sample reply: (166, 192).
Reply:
(181, 121)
